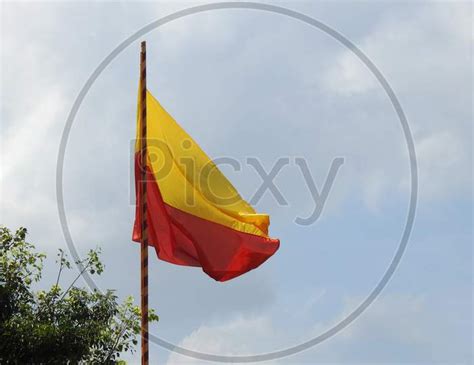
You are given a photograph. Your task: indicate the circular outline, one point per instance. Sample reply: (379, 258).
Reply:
(380, 78)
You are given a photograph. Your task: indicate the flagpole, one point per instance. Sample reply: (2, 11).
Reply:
(143, 208)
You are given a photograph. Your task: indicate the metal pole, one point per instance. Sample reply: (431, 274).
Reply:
(143, 209)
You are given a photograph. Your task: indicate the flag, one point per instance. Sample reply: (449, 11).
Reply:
(195, 217)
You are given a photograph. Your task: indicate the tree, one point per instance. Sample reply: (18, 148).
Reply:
(59, 326)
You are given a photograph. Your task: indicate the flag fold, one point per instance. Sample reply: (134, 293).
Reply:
(195, 216)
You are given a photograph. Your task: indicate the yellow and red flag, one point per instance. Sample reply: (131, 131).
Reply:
(195, 217)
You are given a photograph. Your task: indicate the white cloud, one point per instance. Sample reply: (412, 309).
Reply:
(238, 337)
(444, 163)
(32, 109)
(425, 56)
(407, 323)
(394, 329)
(349, 76)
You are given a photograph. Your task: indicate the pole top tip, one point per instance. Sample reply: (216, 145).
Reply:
(143, 44)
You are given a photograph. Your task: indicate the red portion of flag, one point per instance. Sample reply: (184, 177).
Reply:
(185, 239)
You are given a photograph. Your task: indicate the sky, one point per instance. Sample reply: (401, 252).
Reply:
(248, 84)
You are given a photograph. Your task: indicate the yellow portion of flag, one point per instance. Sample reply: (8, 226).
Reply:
(189, 180)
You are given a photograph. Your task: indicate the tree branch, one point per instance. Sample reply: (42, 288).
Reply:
(77, 277)
(60, 267)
